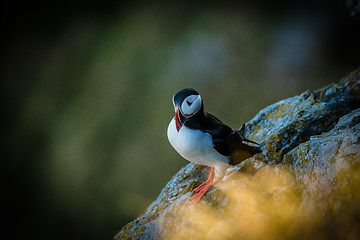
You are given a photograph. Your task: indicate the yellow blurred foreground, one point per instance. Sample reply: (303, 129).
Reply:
(268, 205)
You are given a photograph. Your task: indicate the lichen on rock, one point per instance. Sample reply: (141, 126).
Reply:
(285, 124)
(305, 183)
(325, 165)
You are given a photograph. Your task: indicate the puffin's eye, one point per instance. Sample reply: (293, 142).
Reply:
(188, 103)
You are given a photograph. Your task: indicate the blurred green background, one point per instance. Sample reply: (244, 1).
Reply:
(87, 95)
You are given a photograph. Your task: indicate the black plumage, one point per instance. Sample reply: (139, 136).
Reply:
(227, 142)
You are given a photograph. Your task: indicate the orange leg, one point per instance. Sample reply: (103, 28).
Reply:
(206, 183)
(200, 191)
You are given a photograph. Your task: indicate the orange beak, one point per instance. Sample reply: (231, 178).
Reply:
(177, 120)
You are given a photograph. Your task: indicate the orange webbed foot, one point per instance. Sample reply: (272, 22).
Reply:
(200, 192)
(204, 185)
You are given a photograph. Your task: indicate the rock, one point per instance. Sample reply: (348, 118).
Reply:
(325, 165)
(305, 183)
(284, 125)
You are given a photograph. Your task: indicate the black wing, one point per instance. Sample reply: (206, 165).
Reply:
(231, 143)
(226, 141)
(219, 133)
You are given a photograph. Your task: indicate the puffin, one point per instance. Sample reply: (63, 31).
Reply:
(203, 139)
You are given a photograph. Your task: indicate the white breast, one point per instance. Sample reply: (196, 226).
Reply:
(196, 146)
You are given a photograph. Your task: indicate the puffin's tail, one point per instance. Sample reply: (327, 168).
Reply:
(242, 150)
(241, 131)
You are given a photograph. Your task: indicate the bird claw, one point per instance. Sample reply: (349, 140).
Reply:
(197, 196)
(200, 191)
(204, 185)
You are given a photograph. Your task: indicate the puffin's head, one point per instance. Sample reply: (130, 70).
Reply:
(187, 103)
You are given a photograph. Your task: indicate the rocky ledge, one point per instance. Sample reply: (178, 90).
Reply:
(305, 184)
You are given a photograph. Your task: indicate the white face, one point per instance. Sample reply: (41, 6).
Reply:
(191, 105)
